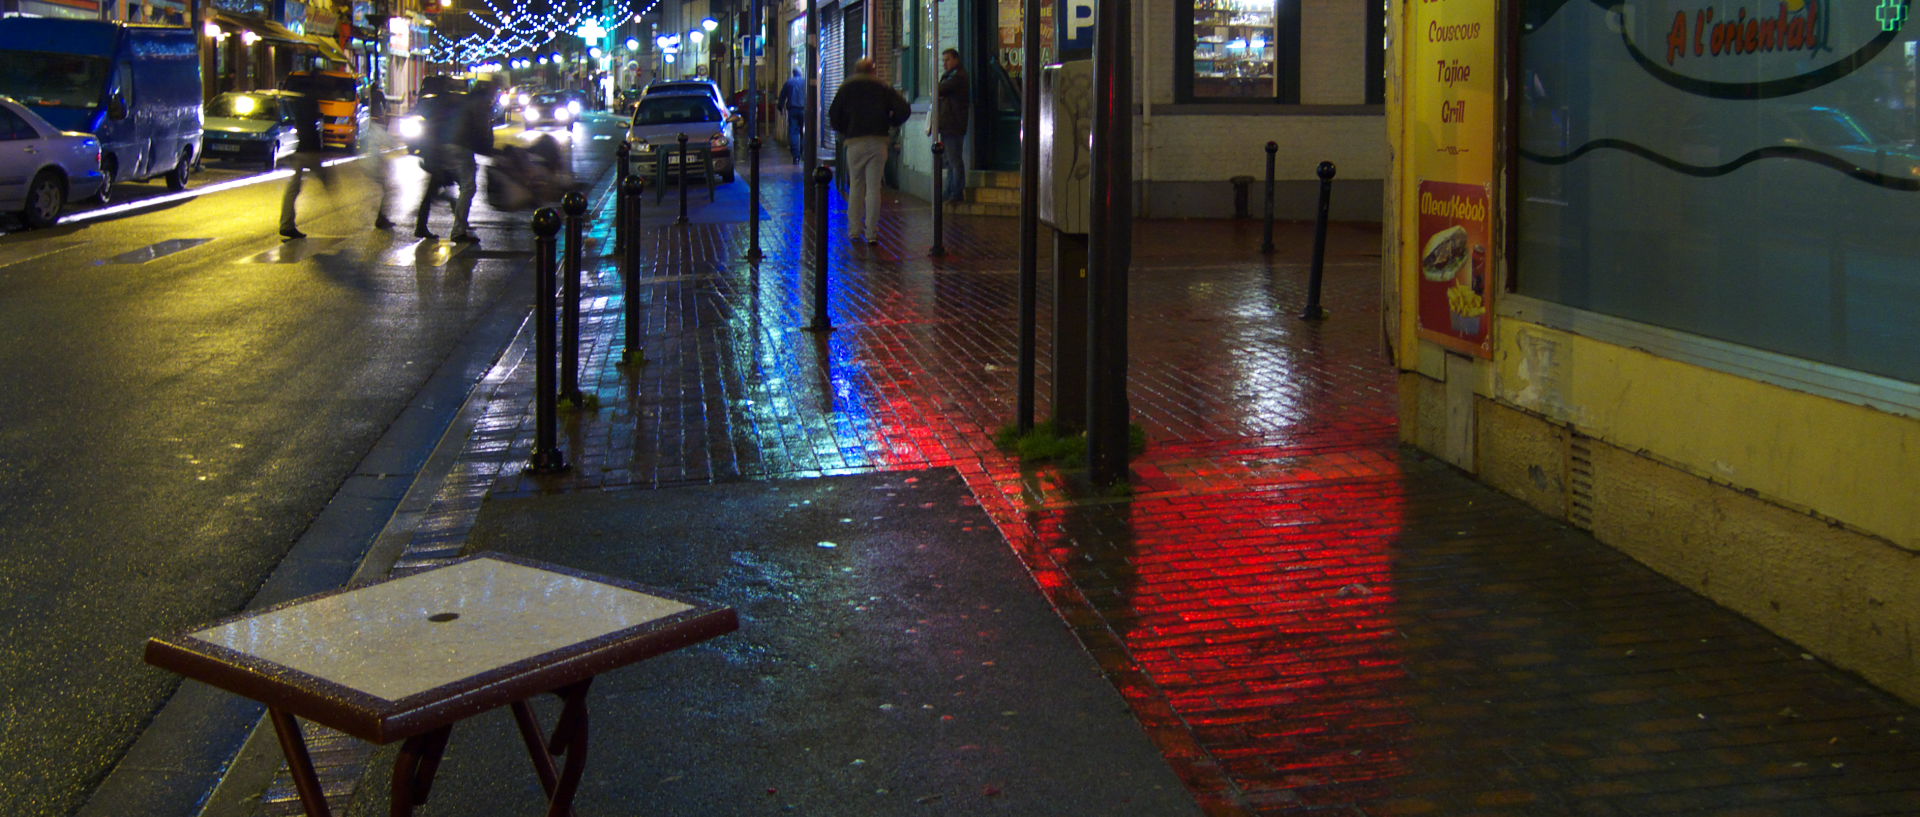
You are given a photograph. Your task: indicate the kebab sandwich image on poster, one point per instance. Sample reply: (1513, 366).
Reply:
(1454, 297)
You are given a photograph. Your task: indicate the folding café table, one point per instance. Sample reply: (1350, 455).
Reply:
(407, 658)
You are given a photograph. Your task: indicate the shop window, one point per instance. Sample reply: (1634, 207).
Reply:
(1240, 51)
(1755, 185)
(1376, 57)
(907, 31)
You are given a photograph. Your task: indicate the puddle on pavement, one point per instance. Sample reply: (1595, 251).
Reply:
(152, 251)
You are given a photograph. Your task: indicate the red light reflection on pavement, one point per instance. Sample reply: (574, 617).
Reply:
(1251, 629)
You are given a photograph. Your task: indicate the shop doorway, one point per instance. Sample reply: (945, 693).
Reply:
(997, 32)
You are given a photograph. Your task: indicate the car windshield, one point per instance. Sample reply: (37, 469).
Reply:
(549, 99)
(329, 87)
(683, 87)
(52, 80)
(244, 106)
(668, 110)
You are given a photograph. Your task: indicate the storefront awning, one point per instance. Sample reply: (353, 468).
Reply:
(266, 29)
(328, 48)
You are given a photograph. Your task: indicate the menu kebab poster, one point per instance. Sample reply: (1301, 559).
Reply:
(1452, 76)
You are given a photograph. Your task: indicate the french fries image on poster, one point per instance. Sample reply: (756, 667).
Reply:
(1453, 262)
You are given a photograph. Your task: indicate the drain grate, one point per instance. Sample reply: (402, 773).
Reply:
(1580, 481)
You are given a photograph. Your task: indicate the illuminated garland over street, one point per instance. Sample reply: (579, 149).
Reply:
(524, 30)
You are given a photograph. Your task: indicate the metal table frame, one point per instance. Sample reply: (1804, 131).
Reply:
(425, 720)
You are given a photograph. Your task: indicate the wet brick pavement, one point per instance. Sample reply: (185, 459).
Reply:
(1305, 617)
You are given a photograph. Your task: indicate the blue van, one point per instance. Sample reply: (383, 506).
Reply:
(135, 87)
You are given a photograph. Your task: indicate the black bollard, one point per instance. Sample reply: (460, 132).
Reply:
(753, 205)
(683, 180)
(547, 458)
(575, 206)
(822, 183)
(939, 202)
(1266, 245)
(630, 192)
(1313, 311)
(621, 170)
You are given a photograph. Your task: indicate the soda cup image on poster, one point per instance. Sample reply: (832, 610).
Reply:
(1454, 234)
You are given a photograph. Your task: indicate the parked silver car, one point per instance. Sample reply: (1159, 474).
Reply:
(42, 167)
(255, 128)
(660, 118)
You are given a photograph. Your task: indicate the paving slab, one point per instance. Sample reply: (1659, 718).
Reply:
(893, 657)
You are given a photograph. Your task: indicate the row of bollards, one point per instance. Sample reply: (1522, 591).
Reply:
(1325, 171)
(548, 277)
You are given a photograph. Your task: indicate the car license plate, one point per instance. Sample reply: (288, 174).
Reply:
(220, 148)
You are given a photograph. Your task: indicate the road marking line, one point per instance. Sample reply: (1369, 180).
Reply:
(292, 252)
(34, 252)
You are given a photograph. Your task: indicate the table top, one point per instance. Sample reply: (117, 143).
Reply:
(398, 657)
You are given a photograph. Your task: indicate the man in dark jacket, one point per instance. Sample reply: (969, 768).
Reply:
(793, 103)
(954, 107)
(306, 156)
(459, 126)
(865, 111)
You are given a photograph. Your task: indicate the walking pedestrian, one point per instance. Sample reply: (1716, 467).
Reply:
(306, 154)
(439, 112)
(953, 112)
(793, 102)
(375, 141)
(458, 125)
(864, 112)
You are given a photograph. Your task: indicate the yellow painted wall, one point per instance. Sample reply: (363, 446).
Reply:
(1847, 463)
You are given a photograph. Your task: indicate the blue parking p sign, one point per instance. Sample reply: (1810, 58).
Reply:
(1076, 23)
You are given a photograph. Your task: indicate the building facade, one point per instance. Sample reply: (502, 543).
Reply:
(1219, 78)
(1651, 273)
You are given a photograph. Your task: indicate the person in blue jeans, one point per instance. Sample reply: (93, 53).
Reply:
(951, 116)
(793, 100)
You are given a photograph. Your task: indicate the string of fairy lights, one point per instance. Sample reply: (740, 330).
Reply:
(525, 28)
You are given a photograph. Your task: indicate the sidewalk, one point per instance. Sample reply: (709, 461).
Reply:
(1301, 616)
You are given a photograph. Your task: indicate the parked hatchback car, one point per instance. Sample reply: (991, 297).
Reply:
(42, 167)
(255, 128)
(687, 86)
(660, 118)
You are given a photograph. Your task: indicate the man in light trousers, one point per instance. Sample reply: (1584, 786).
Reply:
(865, 111)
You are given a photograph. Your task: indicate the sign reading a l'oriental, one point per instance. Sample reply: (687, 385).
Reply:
(1742, 49)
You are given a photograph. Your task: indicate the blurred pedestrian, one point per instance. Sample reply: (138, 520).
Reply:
(793, 102)
(307, 153)
(375, 141)
(954, 110)
(865, 111)
(456, 126)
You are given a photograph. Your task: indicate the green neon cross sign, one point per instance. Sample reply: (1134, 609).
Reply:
(1891, 14)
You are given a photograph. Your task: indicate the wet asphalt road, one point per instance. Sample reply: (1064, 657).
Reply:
(184, 393)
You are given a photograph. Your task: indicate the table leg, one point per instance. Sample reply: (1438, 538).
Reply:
(536, 746)
(299, 763)
(569, 740)
(413, 771)
(573, 726)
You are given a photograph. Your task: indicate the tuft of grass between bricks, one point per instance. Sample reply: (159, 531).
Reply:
(1046, 444)
(588, 402)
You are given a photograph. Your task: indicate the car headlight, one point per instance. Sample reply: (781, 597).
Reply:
(531, 113)
(526, 98)
(562, 114)
(412, 127)
(573, 106)
(718, 140)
